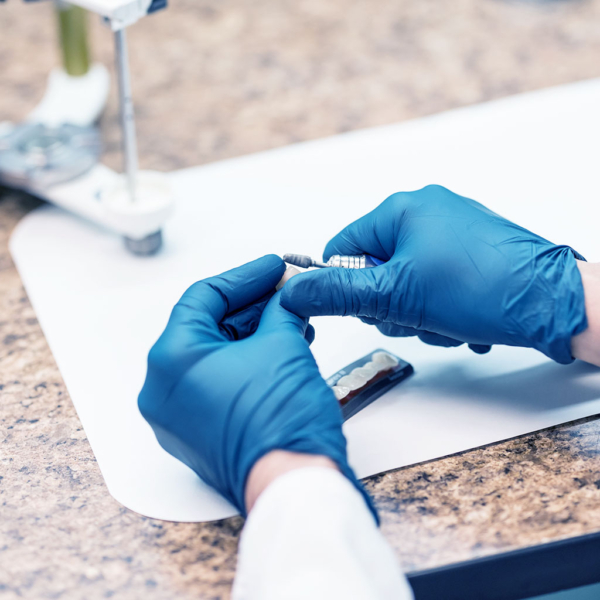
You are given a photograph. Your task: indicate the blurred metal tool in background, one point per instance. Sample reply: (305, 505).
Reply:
(55, 153)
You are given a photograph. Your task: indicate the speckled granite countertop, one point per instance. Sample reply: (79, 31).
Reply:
(219, 79)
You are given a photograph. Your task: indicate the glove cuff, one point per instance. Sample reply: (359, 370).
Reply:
(567, 302)
(237, 495)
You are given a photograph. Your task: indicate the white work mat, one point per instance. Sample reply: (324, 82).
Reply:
(533, 158)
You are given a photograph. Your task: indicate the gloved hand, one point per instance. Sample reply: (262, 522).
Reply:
(456, 272)
(219, 398)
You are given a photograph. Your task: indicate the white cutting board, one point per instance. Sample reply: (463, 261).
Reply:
(533, 158)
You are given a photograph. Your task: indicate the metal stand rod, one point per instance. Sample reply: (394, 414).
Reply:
(130, 157)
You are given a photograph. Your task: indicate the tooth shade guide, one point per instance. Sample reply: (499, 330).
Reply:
(355, 391)
(363, 381)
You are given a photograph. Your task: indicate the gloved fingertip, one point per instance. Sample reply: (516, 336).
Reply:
(306, 294)
(393, 330)
(309, 334)
(340, 244)
(276, 316)
(271, 264)
(234, 289)
(291, 295)
(370, 321)
(274, 259)
(436, 339)
(480, 348)
(244, 322)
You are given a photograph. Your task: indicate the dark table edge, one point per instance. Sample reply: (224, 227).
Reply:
(532, 571)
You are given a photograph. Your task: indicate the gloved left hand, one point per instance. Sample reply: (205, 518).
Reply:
(229, 382)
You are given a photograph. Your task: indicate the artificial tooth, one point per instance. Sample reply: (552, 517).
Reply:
(385, 360)
(352, 381)
(340, 391)
(368, 372)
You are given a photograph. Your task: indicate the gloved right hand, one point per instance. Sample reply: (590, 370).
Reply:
(456, 272)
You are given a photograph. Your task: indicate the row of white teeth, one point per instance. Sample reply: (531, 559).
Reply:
(359, 377)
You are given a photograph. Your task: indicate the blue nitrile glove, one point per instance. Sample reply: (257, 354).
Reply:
(221, 397)
(456, 272)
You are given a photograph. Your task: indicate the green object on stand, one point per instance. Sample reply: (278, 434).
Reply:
(72, 22)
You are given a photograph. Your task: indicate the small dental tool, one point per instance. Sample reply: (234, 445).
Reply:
(363, 261)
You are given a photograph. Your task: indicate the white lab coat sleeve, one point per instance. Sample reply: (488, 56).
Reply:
(311, 536)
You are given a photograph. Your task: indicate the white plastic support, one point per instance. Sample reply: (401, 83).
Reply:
(75, 100)
(119, 13)
(101, 196)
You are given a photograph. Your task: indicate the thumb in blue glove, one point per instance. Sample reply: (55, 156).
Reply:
(455, 272)
(220, 397)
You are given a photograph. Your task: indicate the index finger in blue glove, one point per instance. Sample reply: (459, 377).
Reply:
(391, 329)
(372, 234)
(433, 339)
(208, 301)
(244, 322)
(428, 337)
(241, 323)
(276, 318)
(194, 322)
(480, 348)
(436, 339)
(332, 291)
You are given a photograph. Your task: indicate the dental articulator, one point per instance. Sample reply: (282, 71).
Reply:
(55, 153)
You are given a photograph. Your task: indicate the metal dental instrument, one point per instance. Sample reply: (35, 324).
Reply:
(363, 261)
(130, 158)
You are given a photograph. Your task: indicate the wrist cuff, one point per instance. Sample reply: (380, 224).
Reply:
(567, 317)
